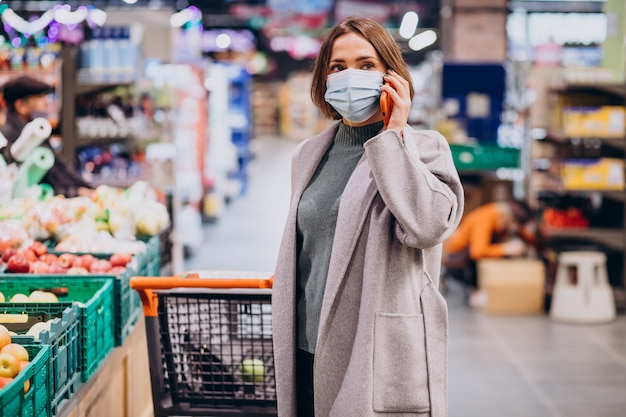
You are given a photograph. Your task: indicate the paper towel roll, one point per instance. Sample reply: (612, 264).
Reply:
(32, 170)
(33, 135)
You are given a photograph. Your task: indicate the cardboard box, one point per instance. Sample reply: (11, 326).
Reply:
(593, 174)
(512, 286)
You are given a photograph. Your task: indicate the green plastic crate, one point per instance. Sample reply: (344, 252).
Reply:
(14, 402)
(95, 297)
(128, 307)
(484, 157)
(64, 341)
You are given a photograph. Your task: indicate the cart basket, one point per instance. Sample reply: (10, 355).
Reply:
(209, 337)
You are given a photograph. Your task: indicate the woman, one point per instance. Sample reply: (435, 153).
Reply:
(359, 325)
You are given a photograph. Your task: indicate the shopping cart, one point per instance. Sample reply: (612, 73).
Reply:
(209, 337)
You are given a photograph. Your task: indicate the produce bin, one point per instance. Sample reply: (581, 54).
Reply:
(35, 402)
(94, 295)
(209, 344)
(63, 337)
(127, 303)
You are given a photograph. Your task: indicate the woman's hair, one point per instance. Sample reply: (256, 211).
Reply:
(386, 47)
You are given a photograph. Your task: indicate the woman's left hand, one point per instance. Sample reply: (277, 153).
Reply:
(398, 90)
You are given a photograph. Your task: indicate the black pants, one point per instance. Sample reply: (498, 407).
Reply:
(304, 383)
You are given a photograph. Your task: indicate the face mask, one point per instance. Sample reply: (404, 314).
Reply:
(354, 93)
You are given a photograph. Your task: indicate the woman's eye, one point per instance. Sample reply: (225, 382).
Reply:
(368, 65)
(336, 68)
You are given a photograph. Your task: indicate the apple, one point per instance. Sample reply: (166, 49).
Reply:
(77, 270)
(26, 386)
(66, 259)
(28, 254)
(5, 337)
(48, 258)
(116, 270)
(253, 370)
(36, 296)
(49, 297)
(1, 298)
(18, 351)
(39, 248)
(7, 253)
(37, 328)
(100, 266)
(120, 259)
(39, 267)
(86, 260)
(5, 381)
(57, 268)
(9, 365)
(18, 264)
(19, 298)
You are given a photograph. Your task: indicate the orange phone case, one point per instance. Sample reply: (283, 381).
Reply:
(385, 107)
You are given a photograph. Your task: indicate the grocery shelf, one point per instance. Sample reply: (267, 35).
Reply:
(613, 238)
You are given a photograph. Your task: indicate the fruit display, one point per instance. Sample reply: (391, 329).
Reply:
(37, 260)
(108, 221)
(13, 359)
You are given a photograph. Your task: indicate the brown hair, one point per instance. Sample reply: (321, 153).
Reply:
(386, 47)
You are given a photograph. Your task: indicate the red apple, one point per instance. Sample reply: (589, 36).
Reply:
(57, 268)
(7, 253)
(48, 258)
(9, 365)
(100, 266)
(39, 267)
(18, 264)
(39, 248)
(67, 259)
(18, 351)
(86, 260)
(116, 270)
(120, 259)
(28, 254)
(5, 381)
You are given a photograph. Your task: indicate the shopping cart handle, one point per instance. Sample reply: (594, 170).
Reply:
(194, 280)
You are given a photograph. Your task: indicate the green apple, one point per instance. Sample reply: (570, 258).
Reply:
(253, 370)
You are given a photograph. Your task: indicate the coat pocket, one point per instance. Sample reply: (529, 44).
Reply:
(400, 367)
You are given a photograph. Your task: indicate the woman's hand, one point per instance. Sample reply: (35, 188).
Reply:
(398, 90)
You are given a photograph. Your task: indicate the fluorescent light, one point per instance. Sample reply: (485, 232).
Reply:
(223, 41)
(422, 40)
(408, 25)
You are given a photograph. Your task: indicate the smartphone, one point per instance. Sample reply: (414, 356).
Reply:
(386, 107)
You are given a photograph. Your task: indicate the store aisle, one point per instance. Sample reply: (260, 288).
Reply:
(500, 366)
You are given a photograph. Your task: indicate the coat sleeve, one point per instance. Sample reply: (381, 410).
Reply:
(419, 183)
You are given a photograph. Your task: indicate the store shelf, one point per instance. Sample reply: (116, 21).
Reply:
(561, 138)
(603, 208)
(610, 88)
(94, 87)
(613, 238)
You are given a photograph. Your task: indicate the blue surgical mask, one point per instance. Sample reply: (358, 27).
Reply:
(355, 94)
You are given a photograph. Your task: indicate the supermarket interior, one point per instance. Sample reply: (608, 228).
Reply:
(161, 152)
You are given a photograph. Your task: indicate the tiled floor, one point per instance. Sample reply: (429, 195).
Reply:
(500, 366)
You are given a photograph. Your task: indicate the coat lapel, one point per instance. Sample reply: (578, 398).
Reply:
(309, 159)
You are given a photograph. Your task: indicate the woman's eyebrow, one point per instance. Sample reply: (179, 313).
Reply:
(361, 58)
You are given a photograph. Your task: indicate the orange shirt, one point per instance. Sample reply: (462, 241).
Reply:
(476, 231)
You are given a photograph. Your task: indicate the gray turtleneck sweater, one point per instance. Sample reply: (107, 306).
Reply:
(316, 220)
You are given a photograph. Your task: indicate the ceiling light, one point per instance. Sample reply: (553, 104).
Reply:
(408, 25)
(422, 40)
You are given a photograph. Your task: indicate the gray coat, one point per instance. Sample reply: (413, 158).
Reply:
(382, 343)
